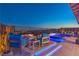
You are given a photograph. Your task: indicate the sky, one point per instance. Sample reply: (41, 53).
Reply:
(44, 15)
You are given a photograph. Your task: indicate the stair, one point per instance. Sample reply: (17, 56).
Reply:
(54, 50)
(48, 51)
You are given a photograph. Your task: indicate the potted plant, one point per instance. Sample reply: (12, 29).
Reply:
(77, 40)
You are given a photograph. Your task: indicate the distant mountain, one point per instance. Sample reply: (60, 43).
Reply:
(22, 28)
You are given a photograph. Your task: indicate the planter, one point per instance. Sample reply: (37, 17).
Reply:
(77, 41)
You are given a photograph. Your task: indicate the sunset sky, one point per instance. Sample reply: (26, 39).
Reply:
(50, 15)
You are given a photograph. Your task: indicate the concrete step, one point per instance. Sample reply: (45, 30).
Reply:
(54, 50)
(44, 50)
(50, 49)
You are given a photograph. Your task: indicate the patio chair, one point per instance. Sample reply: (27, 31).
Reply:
(45, 38)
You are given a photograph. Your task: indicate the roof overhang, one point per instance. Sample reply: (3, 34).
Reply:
(75, 9)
